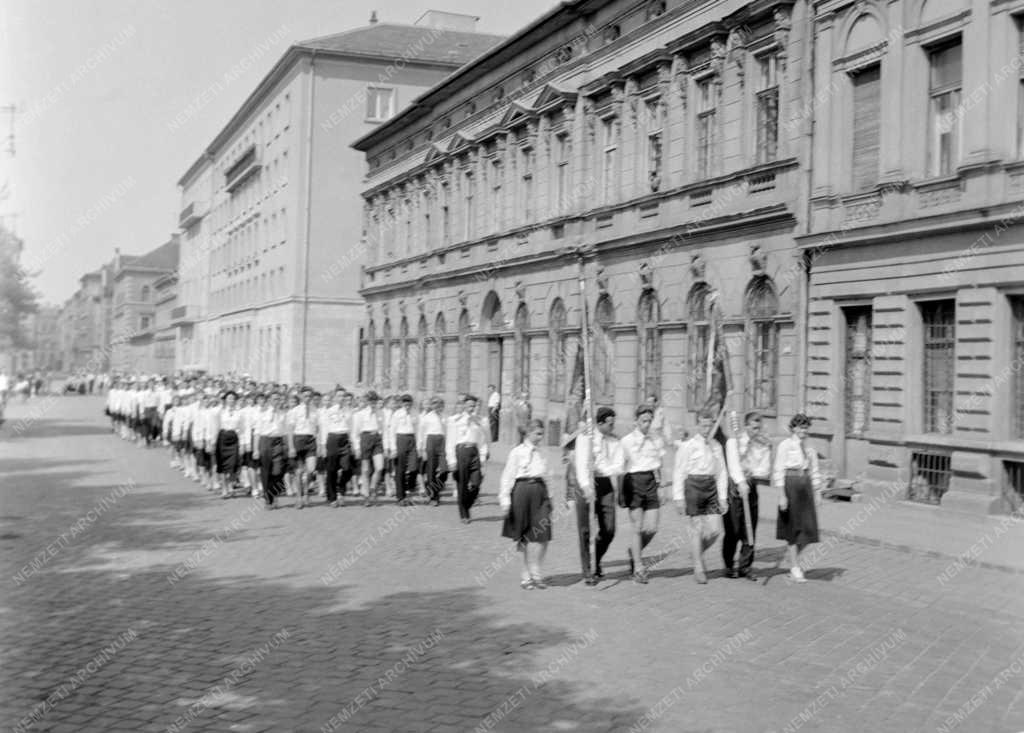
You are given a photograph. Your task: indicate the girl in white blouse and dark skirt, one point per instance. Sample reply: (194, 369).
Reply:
(797, 475)
(523, 496)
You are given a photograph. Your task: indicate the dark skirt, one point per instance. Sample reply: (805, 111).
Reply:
(228, 456)
(529, 518)
(798, 524)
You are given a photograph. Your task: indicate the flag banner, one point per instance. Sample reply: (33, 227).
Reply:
(717, 375)
(575, 409)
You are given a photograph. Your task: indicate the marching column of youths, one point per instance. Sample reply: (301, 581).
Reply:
(239, 438)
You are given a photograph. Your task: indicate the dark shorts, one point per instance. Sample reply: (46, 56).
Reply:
(640, 491)
(701, 494)
(305, 446)
(529, 518)
(370, 445)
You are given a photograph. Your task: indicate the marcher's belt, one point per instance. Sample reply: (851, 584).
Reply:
(641, 473)
(466, 445)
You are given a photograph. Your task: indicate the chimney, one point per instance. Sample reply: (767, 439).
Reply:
(373, 17)
(448, 21)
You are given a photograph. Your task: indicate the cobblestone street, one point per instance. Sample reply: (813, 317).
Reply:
(133, 600)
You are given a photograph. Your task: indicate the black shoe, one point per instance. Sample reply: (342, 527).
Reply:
(435, 502)
(590, 579)
(731, 573)
(632, 565)
(599, 572)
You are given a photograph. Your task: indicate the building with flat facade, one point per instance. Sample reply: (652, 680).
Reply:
(271, 225)
(133, 326)
(916, 247)
(84, 323)
(640, 144)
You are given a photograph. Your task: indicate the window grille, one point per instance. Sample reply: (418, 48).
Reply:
(929, 477)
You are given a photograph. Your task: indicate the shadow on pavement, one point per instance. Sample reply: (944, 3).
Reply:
(105, 632)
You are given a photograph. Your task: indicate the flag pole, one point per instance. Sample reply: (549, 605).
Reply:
(588, 395)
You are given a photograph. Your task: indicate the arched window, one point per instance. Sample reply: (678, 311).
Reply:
(386, 376)
(145, 294)
(699, 331)
(403, 355)
(464, 352)
(649, 368)
(491, 317)
(439, 360)
(421, 356)
(522, 362)
(604, 352)
(559, 361)
(761, 310)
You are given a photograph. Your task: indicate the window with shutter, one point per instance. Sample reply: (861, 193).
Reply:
(858, 369)
(867, 110)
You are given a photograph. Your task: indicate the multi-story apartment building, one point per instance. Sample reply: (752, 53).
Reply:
(639, 144)
(134, 305)
(188, 318)
(164, 344)
(916, 246)
(268, 207)
(84, 323)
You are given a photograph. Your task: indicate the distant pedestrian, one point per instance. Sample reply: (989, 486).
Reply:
(523, 413)
(494, 410)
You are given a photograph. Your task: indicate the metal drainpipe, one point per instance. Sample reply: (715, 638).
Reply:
(805, 300)
(309, 209)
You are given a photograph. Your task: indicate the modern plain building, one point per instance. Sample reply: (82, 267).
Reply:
(916, 246)
(644, 142)
(271, 221)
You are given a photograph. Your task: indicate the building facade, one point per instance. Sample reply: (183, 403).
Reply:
(268, 206)
(638, 147)
(133, 319)
(916, 247)
(165, 334)
(84, 324)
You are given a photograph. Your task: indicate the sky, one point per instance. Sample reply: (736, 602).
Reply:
(95, 84)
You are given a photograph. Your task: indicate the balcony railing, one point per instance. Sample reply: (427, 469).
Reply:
(189, 216)
(246, 165)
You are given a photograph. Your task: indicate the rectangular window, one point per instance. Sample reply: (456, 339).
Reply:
(867, 127)
(944, 89)
(858, 369)
(497, 205)
(469, 192)
(939, 321)
(767, 108)
(707, 107)
(380, 104)
(1017, 304)
(609, 158)
(526, 156)
(561, 173)
(428, 233)
(764, 360)
(446, 218)
(1020, 89)
(654, 124)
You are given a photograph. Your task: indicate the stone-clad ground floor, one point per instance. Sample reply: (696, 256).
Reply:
(150, 606)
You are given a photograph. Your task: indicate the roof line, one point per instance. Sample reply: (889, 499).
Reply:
(477, 67)
(283, 65)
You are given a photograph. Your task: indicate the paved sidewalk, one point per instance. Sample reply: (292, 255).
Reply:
(131, 600)
(886, 519)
